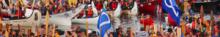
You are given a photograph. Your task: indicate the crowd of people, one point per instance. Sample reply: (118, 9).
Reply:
(192, 25)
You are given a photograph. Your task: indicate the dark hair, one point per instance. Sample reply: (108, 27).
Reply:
(60, 32)
(170, 30)
(69, 32)
(7, 25)
(142, 29)
(190, 19)
(42, 26)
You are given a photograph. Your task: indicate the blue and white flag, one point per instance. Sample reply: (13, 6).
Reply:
(173, 10)
(104, 23)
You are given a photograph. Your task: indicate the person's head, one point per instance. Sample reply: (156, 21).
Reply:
(111, 34)
(93, 34)
(42, 29)
(56, 27)
(42, 26)
(32, 35)
(13, 32)
(1, 32)
(119, 30)
(170, 30)
(8, 26)
(20, 33)
(201, 10)
(29, 31)
(81, 33)
(89, 7)
(129, 29)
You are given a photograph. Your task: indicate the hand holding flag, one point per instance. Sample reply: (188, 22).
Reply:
(173, 10)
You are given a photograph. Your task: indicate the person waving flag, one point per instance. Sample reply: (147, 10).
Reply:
(173, 10)
(104, 23)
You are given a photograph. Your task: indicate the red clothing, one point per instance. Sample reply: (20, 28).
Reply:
(147, 21)
(193, 24)
(98, 6)
(188, 30)
(216, 29)
(171, 21)
(90, 13)
(57, 10)
(142, 22)
(4, 15)
(150, 9)
(81, 14)
(18, 13)
(114, 5)
(147, 8)
(160, 2)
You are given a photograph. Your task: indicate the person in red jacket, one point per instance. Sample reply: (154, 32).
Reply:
(147, 22)
(216, 31)
(18, 12)
(98, 5)
(89, 11)
(113, 5)
(148, 7)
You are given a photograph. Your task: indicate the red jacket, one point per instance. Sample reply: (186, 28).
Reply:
(147, 21)
(98, 6)
(89, 13)
(18, 13)
(193, 24)
(147, 8)
(113, 5)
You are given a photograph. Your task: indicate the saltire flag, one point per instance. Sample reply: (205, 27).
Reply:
(173, 10)
(104, 23)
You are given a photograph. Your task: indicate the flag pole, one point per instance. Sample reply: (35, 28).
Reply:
(87, 28)
(47, 22)
(53, 32)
